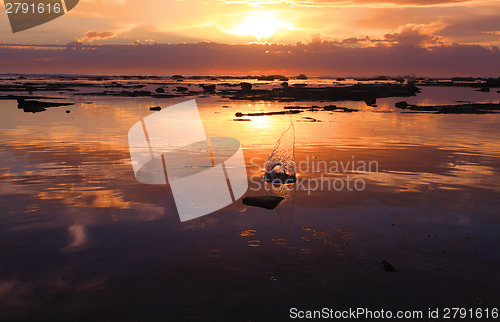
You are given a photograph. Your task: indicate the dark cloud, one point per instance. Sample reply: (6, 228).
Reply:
(474, 29)
(318, 58)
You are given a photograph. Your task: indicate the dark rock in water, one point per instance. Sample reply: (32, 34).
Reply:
(160, 90)
(402, 104)
(469, 108)
(155, 108)
(239, 114)
(299, 92)
(68, 111)
(37, 106)
(301, 76)
(182, 89)
(209, 88)
(245, 87)
(267, 202)
(336, 108)
(370, 101)
(484, 89)
(242, 120)
(135, 93)
(387, 266)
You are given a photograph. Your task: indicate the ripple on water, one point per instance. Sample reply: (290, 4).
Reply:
(319, 234)
(247, 233)
(327, 242)
(214, 253)
(280, 241)
(254, 243)
(305, 251)
(339, 230)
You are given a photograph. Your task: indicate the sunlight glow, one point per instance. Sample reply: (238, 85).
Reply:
(261, 25)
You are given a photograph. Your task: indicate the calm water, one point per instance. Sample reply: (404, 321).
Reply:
(81, 239)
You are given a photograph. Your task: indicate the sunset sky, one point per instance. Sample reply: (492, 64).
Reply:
(448, 28)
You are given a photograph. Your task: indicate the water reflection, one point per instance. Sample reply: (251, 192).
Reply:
(75, 224)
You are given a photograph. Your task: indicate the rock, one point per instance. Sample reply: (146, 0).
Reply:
(160, 90)
(267, 202)
(68, 111)
(239, 114)
(182, 89)
(134, 93)
(484, 89)
(402, 104)
(469, 108)
(245, 86)
(209, 88)
(155, 108)
(301, 76)
(37, 106)
(336, 108)
(387, 266)
(370, 101)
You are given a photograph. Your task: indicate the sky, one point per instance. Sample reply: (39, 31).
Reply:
(334, 37)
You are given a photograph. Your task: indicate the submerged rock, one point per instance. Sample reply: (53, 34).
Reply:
(402, 104)
(155, 108)
(387, 266)
(239, 114)
(37, 106)
(370, 101)
(209, 88)
(245, 87)
(267, 202)
(469, 108)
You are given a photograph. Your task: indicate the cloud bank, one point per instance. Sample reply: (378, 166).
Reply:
(315, 58)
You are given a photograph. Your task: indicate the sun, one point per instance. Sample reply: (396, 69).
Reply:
(261, 25)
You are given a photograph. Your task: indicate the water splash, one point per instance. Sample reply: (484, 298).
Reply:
(280, 166)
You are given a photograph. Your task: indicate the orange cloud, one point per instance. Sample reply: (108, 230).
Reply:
(416, 35)
(90, 36)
